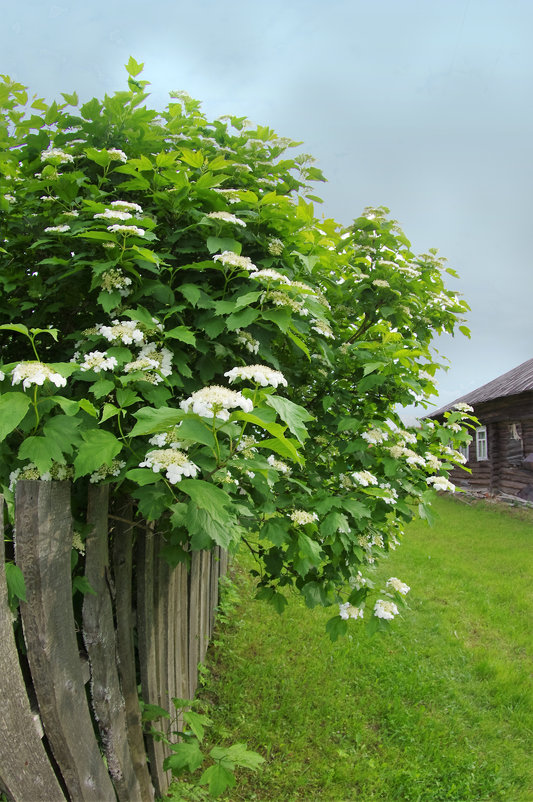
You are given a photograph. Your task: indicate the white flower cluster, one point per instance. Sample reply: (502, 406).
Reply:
(321, 327)
(347, 611)
(385, 609)
(113, 214)
(379, 282)
(280, 299)
(245, 338)
(231, 259)
(170, 439)
(97, 361)
(35, 373)
(432, 463)
(375, 436)
(152, 358)
(454, 455)
(125, 331)
(364, 478)
(115, 154)
(269, 274)
(227, 217)
(462, 407)
(278, 464)
(301, 517)
(29, 471)
(105, 471)
(10, 198)
(174, 462)
(440, 483)
(56, 154)
(247, 444)
(127, 205)
(359, 581)
(398, 586)
(115, 279)
(217, 401)
(275, 246)
(126, 230)
(261, 374)
(2, 375)
(57, 229)
(390, 496)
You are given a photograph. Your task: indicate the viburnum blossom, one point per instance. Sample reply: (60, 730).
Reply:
(440, 483)
(432, 463)
(347, 611)
(174, 462)
(217, 401)
(105, 471)
(117, 155)
(152, 358)
(35, 373)
(398, 586)
(269, 274)
(275, 246)
(113, 214)
(97, 361)
(139, 232)
(321, 327)
(280, 299)
(170, 438)
(133, 207)
(124, 330)
(2, 375)
(56, 154)
(375, 436)
(227, 217)
(231, 259)
(364, 478)
(261, 374)
(245, 338)
(462, 407)
(385, 609)
(379, 282)
(278, 464)
(113, 280)
(57, 229)
(301, 517)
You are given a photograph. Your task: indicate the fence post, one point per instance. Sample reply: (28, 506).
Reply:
(43, 549)
(25, 770)
(99, 636)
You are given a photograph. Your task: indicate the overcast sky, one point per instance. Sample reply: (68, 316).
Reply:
(423, 106)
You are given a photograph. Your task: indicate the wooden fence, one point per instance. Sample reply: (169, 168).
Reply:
(70, 723)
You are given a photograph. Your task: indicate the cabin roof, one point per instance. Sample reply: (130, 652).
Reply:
(515, 381)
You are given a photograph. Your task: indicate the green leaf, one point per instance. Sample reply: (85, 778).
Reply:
(334, 522)
(191, 292)
(152, 421)
(292, 414)
(299, 343)
(314, 595)
(42, 451)
(182, 333)
(184, 756)
(143, 476)
(133, 67)
(86, 405)
(82, 584)
(336, 627)
(151, 712)
(99, 448)
(13, 408)
(15, 581)
(206, 495)
(242, 318)
(215, 244)
(276, 530)
(196, 430)
(241, 756)
(64, 431)
(219, 778)
(153, 500)
(283, 447)
(281, 317)
(196, 722)
(18, 327)
(192, 158)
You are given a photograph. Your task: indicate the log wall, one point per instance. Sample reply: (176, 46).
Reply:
(70, 721)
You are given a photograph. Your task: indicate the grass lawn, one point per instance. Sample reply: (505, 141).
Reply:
(439, 709)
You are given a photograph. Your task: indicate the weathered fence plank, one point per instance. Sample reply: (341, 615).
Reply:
(180, 620)
(99, 637)
(194, 621)
(161, 590)
(43, 550)
(122, 571)
(25, 770)
(146, 627)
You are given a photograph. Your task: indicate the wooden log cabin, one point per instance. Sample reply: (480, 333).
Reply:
(500, 455)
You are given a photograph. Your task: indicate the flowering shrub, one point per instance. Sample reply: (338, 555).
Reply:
(132, 298)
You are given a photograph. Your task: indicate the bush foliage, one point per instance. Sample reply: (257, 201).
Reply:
(148, 261)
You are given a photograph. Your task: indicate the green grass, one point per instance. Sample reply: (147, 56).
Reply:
(439, 709)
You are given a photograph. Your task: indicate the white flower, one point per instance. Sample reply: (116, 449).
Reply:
(432, 462)
(261, 374)
(462, 407)
(231, 195)
(2, 375)
(234, 260)
(375, 436)
(347, 611)
(322, 328)
(97, 361)
(35, 373)
(455, 427)
(170, 438)
(270, 275)
(385, 609)
(454, 455)
(139, 232)
(126, 331)
(413, 458)
(56, 154)
(57, 229)
(398, 586)
(113, 280)
(107, 470)
(73, 213)
(364, 478)
(227, 217)
(246, 339)
(133, 207)
(440, 483)
(48, 198)
(280, 299)
(301, 517)
(175, 463)
(359, 581)
(10, 198)
(275, 246)
(113, 214)
(409, 437)
(217, 401)
(152, 358)
(378, 282)
(278, 464)
(117, 155)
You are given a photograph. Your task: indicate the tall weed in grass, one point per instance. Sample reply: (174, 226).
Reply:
(439, 709)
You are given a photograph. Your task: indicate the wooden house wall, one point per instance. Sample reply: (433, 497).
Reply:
(507, 469)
